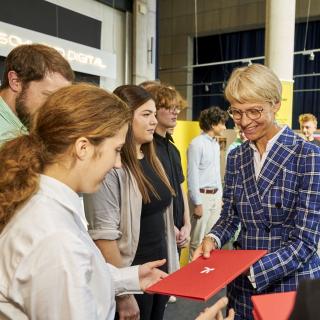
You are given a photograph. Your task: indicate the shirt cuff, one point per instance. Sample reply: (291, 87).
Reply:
(196, 198)
(217, 240)
(125, 280)
(252, 279)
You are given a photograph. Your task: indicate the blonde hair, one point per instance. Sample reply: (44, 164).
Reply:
(253, 83)
(305, 117)
(72, 112)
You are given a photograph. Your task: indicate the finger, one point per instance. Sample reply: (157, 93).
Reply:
(214, 312)
(162, 274)
(220, 304)
(198, 253)
(135, 317)
(219, 315)
(156, 263)
(207, 247)
(182, 241)
(231, 315)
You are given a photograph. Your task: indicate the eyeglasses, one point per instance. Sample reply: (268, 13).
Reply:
(174, 109)
(253, 114)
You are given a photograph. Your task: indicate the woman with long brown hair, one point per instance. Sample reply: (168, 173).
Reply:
(49, 267)
(130, 217)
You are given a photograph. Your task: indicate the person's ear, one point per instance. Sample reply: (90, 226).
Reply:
(14, 81)
(83, 148)
(276, 106)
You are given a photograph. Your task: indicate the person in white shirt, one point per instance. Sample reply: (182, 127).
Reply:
(50, 268)
(204, 178)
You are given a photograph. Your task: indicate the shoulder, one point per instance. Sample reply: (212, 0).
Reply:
(174, 148)
(41, 226)
(303, 147)
(197, 141)
(116, 175)
(238, 149)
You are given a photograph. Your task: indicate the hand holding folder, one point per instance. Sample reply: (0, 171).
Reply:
(203, 278)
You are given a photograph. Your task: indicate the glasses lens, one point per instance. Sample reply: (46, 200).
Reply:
(235, 114)
(174, 109)
(254, 114)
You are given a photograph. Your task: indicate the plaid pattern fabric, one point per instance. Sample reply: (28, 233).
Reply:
(279, 211)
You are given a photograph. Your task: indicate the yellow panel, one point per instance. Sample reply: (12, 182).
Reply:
(284, 115)
(183, 134)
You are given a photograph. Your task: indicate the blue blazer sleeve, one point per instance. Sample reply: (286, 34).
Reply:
(304, 237)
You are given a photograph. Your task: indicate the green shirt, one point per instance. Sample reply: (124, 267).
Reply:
(10, 125)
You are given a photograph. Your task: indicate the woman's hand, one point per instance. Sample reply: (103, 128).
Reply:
(206, 246)
(149, 274)
(127, 307)
(215, 312)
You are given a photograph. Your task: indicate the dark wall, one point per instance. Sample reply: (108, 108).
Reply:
(123, 5)
(209, 82)
(50, 19)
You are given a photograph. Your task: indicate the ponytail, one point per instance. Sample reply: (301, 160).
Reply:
(20, 165)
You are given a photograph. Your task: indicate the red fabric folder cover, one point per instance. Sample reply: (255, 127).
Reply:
(273, 306)
(202, 278)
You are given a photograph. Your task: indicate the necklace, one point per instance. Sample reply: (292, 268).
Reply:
(140, 155)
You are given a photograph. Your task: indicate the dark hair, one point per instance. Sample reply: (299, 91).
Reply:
(135, 97)
(32, 62)
(68, 114)
(212, 117)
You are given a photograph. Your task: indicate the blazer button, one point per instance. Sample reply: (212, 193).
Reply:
(267, 229)
(278, 205)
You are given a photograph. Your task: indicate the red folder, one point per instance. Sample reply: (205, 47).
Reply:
(202, 278)
(273, 306)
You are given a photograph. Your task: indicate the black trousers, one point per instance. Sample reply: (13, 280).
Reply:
(152, 306)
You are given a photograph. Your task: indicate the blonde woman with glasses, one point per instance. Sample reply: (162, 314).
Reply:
(272, 188)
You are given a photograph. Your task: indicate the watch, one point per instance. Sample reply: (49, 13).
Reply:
(211, 237)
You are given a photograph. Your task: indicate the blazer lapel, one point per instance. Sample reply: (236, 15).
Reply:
(249, 181)
(280, 153)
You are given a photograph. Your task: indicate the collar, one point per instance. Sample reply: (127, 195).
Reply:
(165, 139)
(270, 143)
(208, 136)
(60, 192)
(8, 114)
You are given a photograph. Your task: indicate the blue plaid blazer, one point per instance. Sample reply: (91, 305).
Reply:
(279, 211)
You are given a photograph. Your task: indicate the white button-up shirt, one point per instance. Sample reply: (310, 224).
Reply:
(50, 268)
(203, 166)
(259, 160)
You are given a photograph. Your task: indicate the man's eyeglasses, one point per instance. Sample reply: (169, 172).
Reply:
(174, 109)
(253, 114)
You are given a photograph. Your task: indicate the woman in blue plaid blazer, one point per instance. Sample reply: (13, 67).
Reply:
(272, 188)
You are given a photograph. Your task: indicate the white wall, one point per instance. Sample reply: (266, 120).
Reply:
(144, 29)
